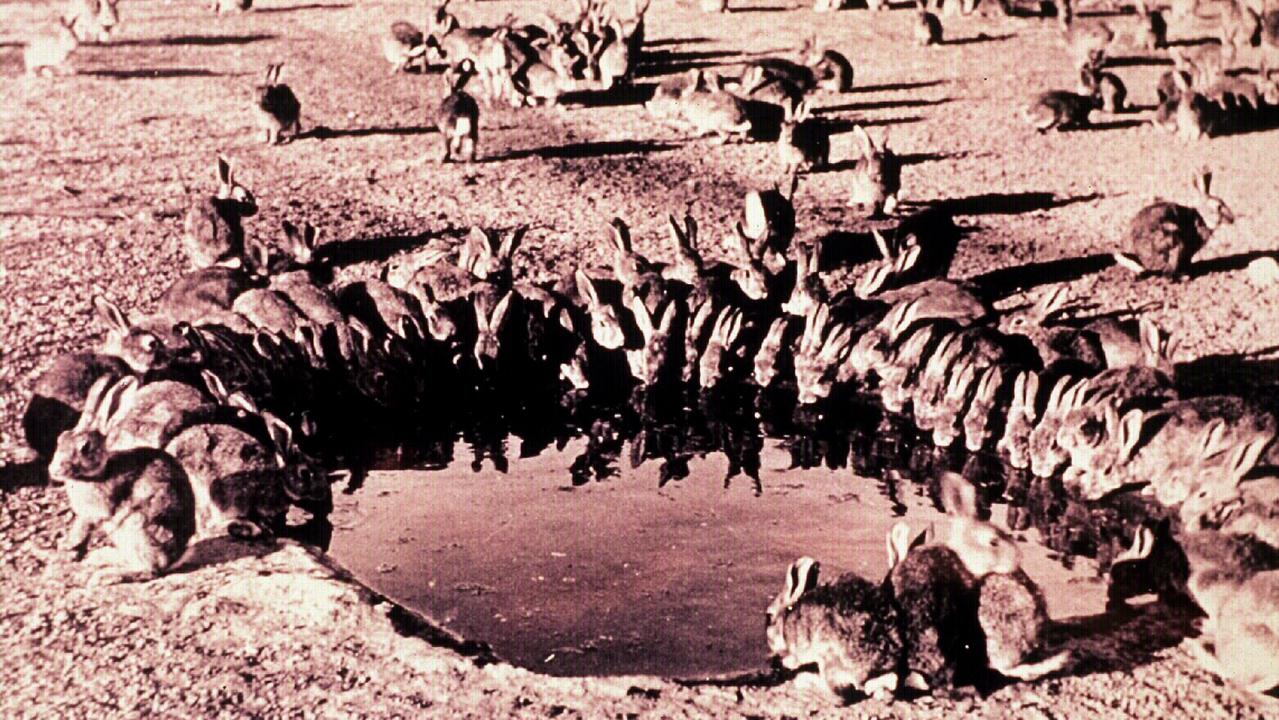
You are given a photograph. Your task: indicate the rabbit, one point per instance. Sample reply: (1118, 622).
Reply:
(876, 176)
(58, 395)
(768, 221)
(823, 347)
(809, 290)
(1059, 110)
(1105, 87)
(206, 295)
(752, 277)
(688, 267)
(381, 307)
(540, 83)
(50, 51)
(1047, 456)
(139, 499)
(276, 107)
(1196, 116)
(804, 142)
(935, 597)
(834, 72)
(716, 111)
(1240, 636)
(638, 277)
(1164, 236)
(647, 363)
(714, 364)
(403, 44)
(900, 374)
(928, 29)
(758, 84)
(933, 370)
(213, 231)
(1031, 396)
(458, 117)
(270, 310)
(798, 75)
(616, 61)
(699, 323)
(848, 628)
(961, 389)
(1010, 607)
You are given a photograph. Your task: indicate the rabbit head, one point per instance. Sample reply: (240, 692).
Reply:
(82, 453)
(1215, 211)
(960, 386)
(647, 363)
(752, 277)
(605, 326)
(1019, 423)
(822, 349)
(688, 266)
(152, 345)
(713, 364)
(983, 548)
(1046, 453)
(488, 324)
(801, 577)
(899, 257)
(984, 409)
(766, 360)
(808, 290)
(1220, 493)
(768, 222)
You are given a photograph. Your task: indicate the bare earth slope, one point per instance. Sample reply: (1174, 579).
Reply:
(97, 168)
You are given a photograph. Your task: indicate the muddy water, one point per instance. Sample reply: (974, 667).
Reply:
(627, 571)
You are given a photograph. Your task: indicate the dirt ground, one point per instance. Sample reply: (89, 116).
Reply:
(98, 167)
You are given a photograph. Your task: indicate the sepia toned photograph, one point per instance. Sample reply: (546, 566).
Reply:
(755, 359)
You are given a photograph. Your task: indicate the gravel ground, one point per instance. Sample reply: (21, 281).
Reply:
(98, 167)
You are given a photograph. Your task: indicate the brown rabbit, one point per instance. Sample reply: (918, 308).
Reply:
(213, 233)
(139, 499)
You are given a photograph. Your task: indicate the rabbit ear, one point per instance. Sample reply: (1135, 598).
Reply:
(1203, 181)
(1143, 542)
(863, 139)
(1211, 443)
(224, 171)
(1019, 391)
(885, 250)
(668, 320)
(215, 386)
(776, 331)
(742, 241)
(908, 259)
(1150, 341)
(1130, 432)
(643, 320)
(1053, 302)
(281, 434)
(586, 288)
(499, 312)
(898, 543)
(620, 235)
(111, 314)
(92, 403)
(512, 242)
(801, 578)
(958, 496)
(1246, 456)
(677, 233)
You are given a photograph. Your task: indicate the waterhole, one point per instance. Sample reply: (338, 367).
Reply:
(606, 546)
